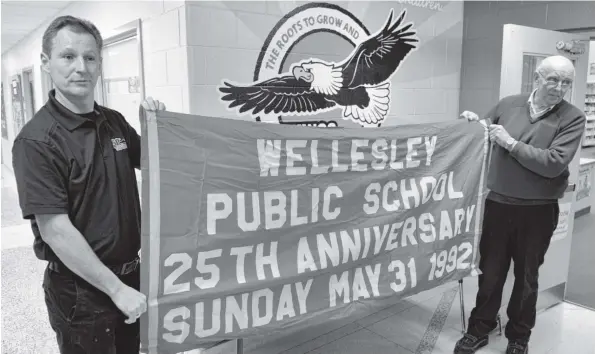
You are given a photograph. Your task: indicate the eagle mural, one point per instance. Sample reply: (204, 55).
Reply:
(359, 85)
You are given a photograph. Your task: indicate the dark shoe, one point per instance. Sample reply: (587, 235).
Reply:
(470, 344)
(517, 347)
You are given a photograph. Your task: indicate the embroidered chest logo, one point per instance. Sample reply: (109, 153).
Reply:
(119, 144)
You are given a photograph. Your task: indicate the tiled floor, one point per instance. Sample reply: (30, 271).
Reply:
(562, 329)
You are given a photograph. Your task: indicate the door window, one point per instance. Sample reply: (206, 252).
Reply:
(120, 79)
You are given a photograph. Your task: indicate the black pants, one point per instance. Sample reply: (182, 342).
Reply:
(85, 320)
(523, 234)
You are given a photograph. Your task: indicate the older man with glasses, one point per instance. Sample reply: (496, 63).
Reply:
(535, 137)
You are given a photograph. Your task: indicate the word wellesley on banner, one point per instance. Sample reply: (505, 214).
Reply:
(248, 231)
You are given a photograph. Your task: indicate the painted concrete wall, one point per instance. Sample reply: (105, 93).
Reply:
(164, 51)
(425, 87)
(482, 43)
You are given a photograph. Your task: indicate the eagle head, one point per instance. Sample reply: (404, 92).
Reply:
(300, 73)
(324, 78)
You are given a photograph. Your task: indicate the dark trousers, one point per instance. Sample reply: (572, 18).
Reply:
(521, 233)
(85, 319)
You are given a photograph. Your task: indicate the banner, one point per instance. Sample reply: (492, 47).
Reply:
(251, 228)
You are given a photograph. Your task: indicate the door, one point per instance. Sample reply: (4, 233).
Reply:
(28, 94)
(4, 122)
(4, 125)
(18, 114)
(120, 85)
(523, 49)
(46, 85)
(120, 82)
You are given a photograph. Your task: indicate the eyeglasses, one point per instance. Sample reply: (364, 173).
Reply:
(553, 81)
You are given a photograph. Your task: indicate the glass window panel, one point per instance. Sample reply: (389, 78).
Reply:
(120, 79)
(121, 58)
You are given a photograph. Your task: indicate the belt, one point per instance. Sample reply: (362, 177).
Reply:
(121, 269)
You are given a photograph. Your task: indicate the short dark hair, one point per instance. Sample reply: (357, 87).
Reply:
(75, 24)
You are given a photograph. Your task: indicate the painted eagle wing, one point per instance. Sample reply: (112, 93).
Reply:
(376, 59)
(283, 94)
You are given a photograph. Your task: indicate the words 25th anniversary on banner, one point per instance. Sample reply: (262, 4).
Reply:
(250, 227)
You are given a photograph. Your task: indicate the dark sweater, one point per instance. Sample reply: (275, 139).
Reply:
(537, 168)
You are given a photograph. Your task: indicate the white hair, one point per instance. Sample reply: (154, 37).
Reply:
(556, 63)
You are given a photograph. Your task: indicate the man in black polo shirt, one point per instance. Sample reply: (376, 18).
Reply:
(74, 165)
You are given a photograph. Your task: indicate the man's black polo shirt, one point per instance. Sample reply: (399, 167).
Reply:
(83, 166)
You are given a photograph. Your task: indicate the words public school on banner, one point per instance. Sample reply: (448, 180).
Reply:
(279, 226)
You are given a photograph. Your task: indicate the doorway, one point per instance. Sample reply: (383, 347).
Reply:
(18, 116)
(46, 85)
(121, 83)
(28, 94)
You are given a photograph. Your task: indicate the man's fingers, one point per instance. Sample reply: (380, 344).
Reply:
(470, 115)
(131, 318)
(151, 103)
(136, 310)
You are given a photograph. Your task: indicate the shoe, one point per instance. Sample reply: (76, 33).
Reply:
(470, 344)
(517, 347)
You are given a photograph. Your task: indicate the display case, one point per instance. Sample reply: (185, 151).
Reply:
(589, 136)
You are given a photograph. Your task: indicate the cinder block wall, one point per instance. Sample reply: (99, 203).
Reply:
(482, 43)
(225, 40)
(164, 51)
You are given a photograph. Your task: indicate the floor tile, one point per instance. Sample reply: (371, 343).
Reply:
(362, 341)
(407, 328)
(300, 341)
(432, 293)
(454, 315)
(385, 313)
(573, 346)
(564, 328)
(325, 339)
